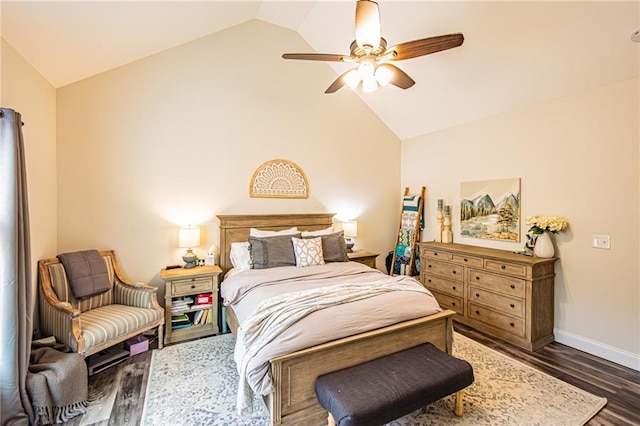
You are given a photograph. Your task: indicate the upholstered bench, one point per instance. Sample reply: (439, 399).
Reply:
(384, 389)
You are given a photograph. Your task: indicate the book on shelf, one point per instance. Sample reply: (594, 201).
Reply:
(197, 317)
(179, 326)
(180, 319)
(205, 315)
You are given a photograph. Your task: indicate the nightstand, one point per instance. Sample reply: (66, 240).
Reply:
(364, 257)
(191, 302)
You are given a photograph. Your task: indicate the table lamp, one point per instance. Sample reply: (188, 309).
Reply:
(189, 237)
(350, 228)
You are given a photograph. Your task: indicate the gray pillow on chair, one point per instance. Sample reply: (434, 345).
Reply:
(86, 272)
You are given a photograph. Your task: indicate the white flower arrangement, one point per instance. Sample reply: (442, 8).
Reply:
(539, 224)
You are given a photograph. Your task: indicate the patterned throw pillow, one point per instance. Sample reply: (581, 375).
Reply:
(308, 251)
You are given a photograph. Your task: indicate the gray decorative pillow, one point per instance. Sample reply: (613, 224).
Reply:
(272, 252)
(334, 248)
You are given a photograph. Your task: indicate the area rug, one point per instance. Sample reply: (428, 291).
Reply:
(194, 383)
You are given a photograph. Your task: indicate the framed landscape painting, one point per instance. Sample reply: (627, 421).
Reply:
(490, 209)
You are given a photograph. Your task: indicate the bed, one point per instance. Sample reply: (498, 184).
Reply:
(292, 375)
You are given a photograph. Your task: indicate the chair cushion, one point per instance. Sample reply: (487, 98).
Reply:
(106, 323)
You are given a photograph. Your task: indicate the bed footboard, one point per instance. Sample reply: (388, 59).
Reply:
(294, 402)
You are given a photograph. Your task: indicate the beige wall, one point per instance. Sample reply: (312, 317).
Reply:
(174, 139)
(26, 91)
(578, 157)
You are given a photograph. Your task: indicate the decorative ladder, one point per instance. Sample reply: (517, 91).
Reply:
(411, 223)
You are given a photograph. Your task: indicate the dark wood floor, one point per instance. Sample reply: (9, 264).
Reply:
(126, 382)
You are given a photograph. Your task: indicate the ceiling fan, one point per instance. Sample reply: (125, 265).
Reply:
(369, 51)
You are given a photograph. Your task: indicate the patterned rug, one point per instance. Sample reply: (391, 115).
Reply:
(194, 383)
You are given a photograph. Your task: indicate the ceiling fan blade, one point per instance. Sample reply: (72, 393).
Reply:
(425, 46)
(367, 24)
(337, 84)
(399, 77)
(315, 57)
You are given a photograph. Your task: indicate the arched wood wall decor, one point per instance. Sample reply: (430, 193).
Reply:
(279, 179)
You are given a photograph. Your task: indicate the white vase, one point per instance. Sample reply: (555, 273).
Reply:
(544, 245)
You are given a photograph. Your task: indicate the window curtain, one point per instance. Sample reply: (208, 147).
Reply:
(16, 286)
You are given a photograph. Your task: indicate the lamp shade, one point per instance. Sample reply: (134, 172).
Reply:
(350, 228)
(189, 236)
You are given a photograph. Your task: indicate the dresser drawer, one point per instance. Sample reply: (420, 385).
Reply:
(496, 319)
(505, 268)
(433, 282)
(513, 287)
(191, 286)
(447, 302)
(436, 254)
(475, 262)
(443, 269)
(505, 304)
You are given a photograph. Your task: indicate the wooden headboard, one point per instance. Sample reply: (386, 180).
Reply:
(235, 228)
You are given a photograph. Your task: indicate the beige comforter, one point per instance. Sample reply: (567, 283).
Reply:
(244, 291)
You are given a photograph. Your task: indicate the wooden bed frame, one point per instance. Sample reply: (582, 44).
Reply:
(293, 401)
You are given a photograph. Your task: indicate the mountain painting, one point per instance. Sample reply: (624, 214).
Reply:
(490, 209)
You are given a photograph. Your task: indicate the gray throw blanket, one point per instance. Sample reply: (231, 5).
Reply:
(86, 272)
(57, 384)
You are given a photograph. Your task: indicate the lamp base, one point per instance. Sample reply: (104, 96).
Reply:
(349, 243)
(189, 259)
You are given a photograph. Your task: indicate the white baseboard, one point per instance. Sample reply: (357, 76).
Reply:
(611, 353)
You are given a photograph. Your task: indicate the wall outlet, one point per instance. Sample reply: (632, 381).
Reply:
(602, 242)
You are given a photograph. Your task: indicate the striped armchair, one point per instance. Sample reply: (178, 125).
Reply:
(90, 325)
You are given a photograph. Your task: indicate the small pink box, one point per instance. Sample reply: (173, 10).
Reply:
(136, 345)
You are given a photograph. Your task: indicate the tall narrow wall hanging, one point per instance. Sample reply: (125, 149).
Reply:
(279, 179)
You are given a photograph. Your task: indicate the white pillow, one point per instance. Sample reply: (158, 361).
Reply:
(308, 251)
(240, 256)
(327, 231)
(253, 232)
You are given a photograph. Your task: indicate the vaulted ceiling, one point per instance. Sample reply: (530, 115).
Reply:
(515, 54)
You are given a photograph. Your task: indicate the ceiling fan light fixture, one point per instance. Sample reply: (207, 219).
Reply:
(352, 78)
(369, 84)
(383, 75)
(367, 28)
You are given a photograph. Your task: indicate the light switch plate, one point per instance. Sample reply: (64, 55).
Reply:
(602, 242)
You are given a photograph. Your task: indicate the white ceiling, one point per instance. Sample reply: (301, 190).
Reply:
(515, 54)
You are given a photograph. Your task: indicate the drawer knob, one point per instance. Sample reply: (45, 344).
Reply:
(477, 312)
(429, 280)
(429, 266)
(512, 305)
(453, 303)
(435, 254)
(465, 259)
(193, 286)
(512, 286)
(503, 267)
(512, 324)
(454, 287)
(477, 294)
(453, 272)
(477, 278)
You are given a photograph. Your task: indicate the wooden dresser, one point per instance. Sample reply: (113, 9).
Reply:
(506, 295)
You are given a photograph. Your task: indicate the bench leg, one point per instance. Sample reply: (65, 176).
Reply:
(330, 420)
(459, 398)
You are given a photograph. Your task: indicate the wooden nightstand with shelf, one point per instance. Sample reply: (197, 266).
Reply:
(185, 285)
(364, 257)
